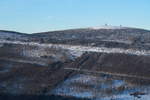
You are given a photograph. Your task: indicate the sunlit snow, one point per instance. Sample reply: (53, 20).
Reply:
(77, 50)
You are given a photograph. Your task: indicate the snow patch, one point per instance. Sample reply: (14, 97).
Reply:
(99, 88)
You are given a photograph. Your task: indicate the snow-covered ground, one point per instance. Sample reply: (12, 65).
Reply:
(100, 88)
(118, 41)
(107, 27)
(78, 50)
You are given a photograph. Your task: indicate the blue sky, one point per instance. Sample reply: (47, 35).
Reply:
(47, 15)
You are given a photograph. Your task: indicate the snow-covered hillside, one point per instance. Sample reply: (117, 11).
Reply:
(106, 62)
(79, 48)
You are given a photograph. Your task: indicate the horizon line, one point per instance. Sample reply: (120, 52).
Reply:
(64, 29)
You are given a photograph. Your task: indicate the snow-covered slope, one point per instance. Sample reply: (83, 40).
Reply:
(107, 36)
(77, 49)
(67, 61)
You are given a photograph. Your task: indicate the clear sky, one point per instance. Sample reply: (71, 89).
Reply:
(47, 15)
